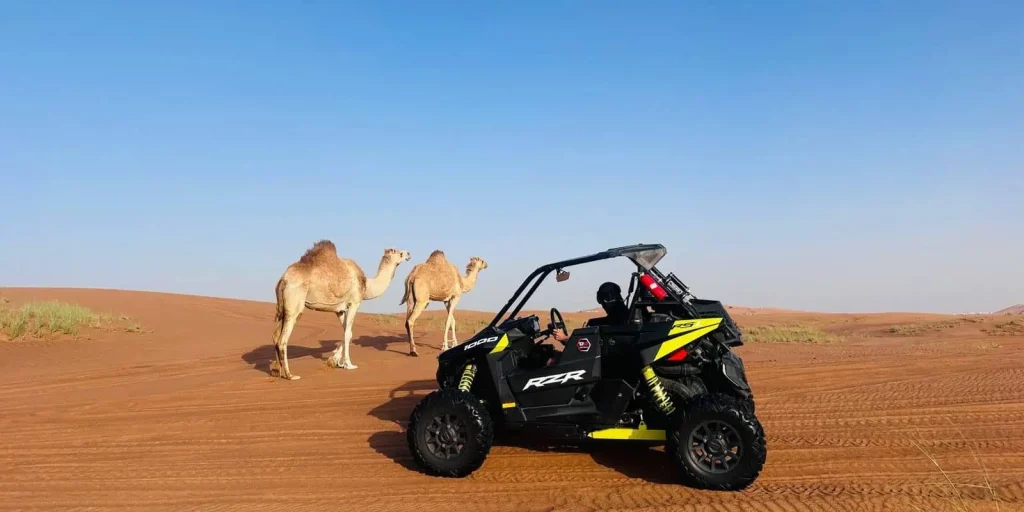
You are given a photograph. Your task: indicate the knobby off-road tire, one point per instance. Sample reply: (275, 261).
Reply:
(450, 433)
(716, 443)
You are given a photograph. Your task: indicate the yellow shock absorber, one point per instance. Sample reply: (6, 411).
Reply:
(467, 378)
(660, 396)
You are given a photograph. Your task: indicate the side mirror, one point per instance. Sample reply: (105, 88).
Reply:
(562, 276)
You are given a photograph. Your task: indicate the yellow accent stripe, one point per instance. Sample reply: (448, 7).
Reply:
(686, 332)
(629, 434)
(508, 405)
(681, 326)
(502, 343)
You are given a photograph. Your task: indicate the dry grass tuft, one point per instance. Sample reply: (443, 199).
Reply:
(797, 333)
(465, 327)
(435, 322)
(40, 319)
(1012, 328)
(907, 330)
(920, 329)
(956, 497)
(383, 320)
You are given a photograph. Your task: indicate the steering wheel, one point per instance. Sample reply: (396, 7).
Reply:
(557, 324)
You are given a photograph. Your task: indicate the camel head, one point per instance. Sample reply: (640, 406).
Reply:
(476, 263)
(396, 256)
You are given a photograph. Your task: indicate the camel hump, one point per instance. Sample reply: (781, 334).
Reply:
(321, 249)
(436, 256)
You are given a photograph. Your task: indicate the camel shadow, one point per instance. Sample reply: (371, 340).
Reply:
(381, 343)
(632, 459)
(262, 357)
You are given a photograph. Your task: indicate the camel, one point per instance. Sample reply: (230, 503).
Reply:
(437, 279)
(322, 281)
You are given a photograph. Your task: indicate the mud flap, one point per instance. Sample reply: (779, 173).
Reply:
(732, 369)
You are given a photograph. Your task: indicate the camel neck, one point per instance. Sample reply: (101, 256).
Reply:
(469, 280)
(376, 286)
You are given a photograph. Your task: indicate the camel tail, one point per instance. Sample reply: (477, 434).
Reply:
(279, 291)
(408, 292)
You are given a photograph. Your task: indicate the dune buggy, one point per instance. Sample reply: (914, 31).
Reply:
(666, 374)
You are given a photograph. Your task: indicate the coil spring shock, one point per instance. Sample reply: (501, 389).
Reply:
(467, 378)
(661, 398)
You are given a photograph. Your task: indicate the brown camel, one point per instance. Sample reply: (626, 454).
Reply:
(322, 281)
(437, 279)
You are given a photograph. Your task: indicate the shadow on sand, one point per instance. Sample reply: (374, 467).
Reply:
(402, 400)
(397, 409)
(393, 445)
(262, 357)
(381, 343)
(633, 460)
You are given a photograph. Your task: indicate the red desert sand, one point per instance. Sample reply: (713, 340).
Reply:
(894, 412)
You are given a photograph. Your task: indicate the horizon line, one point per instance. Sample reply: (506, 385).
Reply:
(728, 306)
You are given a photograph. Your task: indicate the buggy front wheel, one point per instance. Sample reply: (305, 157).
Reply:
(717, 443)
(450, 433)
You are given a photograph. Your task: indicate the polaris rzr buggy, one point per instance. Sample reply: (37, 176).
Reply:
(665, 374)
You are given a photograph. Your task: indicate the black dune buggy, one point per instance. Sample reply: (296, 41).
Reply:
(664, 375)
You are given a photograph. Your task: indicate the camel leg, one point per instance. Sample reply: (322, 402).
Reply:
(339, 349)
(455, 341)
(282, 346)
(450, 305)
(278, 330)
(447, 324)
(415, 310)
(350, 318)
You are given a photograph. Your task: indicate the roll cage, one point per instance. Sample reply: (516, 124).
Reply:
(644, 256)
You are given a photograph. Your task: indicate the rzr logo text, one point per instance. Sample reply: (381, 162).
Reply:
(561, 378)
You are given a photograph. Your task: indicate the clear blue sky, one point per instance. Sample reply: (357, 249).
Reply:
(856, 156)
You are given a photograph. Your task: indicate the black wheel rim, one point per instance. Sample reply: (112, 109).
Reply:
(446, 436)
(715, 447)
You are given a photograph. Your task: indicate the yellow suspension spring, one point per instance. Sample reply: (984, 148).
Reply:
(467, 378)
(660, 396)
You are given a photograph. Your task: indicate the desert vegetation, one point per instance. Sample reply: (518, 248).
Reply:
(922, 328)
(471, 324)
(955, 492)
(788, 333)
(1014, 327)
(49, 318)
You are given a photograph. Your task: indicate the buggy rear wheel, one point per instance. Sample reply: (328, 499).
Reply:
(450, 433)
(717, 443)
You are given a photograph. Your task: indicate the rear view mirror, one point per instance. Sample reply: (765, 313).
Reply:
(561, 276)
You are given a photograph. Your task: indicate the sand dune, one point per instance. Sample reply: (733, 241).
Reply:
(184, 416)
(1017, 309)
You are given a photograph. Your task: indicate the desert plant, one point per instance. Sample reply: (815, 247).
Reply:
(917, 329)
(956, 498)
(383, 320)
(793, 333)
(1011, 328)
(906, 329)
(53, 317)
